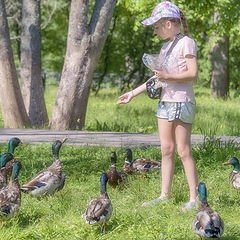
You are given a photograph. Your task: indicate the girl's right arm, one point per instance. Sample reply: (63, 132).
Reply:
(127, 97)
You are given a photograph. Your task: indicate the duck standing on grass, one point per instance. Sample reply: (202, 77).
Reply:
(207, 223)
(48, 181)
(4, 159)
(115, 177)
(235, 174)
(139, 164)
(10, 196)
(99, 210)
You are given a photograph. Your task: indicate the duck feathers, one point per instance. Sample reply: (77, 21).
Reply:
(99, 210)
(10, 196)
(50, 180)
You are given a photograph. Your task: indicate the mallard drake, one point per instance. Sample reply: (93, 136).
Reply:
(48, 181)
(13, 143)
(4, 159)
(99, 210)
(10, 196)
(115, 177)
(207, 223)
(139, 164)
(235, 174)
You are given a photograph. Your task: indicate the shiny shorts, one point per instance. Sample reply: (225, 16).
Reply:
(185, 111)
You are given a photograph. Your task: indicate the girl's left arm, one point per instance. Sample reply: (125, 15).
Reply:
(188, 75)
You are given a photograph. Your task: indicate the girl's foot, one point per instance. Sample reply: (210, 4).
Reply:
(156, 201)
(189, 206)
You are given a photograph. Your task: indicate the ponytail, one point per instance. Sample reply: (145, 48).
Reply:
(184, 23)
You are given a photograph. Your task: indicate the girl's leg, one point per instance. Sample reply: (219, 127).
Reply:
(167, 140)
(183, 143)
(167, 148)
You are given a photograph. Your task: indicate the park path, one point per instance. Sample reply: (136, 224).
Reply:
(86, 138)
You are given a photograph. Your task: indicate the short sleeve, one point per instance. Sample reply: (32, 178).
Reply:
(189, 47)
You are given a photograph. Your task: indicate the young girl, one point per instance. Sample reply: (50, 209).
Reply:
(176, 108)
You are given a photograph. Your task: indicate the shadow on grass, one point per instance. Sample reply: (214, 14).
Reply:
(27, 220)
(226, 200)
(228, 237)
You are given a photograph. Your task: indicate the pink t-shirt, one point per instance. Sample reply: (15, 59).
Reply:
(177, 92)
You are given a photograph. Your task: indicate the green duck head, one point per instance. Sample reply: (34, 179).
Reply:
(113, 157)
(56, 147)
(202, 192)
(4, 158)
(13, 143)
(234, 162)
(128, 154)
(16, 169)
(103, 183)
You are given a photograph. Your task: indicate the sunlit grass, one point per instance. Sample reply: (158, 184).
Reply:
(59, 217)
(214, 116)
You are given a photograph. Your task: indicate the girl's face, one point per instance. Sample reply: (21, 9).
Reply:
(162, 28)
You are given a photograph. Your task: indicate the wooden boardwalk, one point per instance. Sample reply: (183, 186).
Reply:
(106, 139)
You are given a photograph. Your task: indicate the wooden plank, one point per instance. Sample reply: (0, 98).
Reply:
(107, 139)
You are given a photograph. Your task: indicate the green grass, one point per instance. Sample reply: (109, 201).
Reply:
(214, 116)
(59, 217)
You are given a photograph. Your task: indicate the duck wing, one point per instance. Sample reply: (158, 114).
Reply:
(98, 210)
(145, 164)
(3, 177)
(208, 223)
(235, 179)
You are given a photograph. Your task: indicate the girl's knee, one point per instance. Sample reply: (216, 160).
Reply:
(184, 152)
(167, 150)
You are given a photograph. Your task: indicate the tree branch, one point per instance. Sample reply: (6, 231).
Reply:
(77, 31)
(100, 20)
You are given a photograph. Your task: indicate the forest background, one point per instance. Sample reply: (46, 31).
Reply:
(213, 24)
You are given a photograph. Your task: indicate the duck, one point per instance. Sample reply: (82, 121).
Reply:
(10, 196)
(50, 180)
(115, 177)
(4, 159)
(235, 174)
(13, 143)
(140, 164)
(99, 210)
(208, 223)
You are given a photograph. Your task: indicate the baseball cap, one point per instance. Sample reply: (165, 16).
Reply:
(162, 10)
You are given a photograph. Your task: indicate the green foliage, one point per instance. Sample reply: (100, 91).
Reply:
(59, 217)
(214, 117)
(128, 39)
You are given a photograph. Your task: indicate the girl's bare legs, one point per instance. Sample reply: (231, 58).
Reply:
(167, 139)
(183, 143)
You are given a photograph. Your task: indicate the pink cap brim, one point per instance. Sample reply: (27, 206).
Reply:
(151, 20)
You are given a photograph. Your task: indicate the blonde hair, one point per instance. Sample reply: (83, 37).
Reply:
(181, 22)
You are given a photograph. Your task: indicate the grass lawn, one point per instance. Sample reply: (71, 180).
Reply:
(214, 116)
(59, 217)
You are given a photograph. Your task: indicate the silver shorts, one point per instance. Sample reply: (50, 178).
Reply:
(185, 111)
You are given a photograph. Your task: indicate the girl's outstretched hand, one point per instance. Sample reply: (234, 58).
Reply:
(125, 98)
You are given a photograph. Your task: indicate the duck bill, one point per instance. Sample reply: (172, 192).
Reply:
(64, 139)
(226, 163)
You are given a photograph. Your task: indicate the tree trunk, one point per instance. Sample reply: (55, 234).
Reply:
(220, 72)
(32, 86)
(14, 112)
(84, 46)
